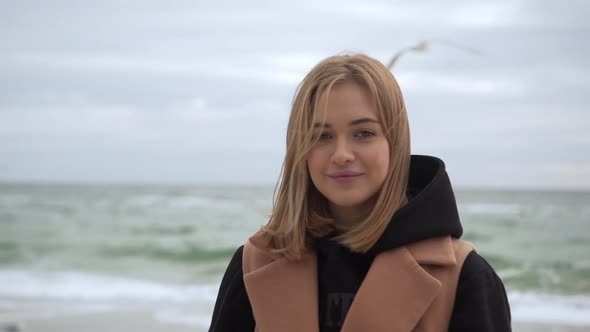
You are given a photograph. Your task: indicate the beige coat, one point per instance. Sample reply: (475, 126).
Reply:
(411, 288)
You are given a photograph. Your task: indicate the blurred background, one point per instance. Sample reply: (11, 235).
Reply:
(140, 142)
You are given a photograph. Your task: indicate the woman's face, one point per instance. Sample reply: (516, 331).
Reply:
(349, 162)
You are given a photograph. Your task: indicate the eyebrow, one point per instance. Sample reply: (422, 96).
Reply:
(352, 123)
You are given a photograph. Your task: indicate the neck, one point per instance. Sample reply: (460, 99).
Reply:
(346, 217)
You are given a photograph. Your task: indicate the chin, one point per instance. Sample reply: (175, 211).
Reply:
(347, 200)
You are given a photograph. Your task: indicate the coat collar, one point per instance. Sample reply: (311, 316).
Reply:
(394, 295)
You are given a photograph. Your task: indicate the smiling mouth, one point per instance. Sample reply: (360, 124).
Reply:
(345, 178)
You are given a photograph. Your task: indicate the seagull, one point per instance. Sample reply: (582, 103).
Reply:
(423, 46)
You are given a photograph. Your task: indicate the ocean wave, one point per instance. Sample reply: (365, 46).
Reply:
(550, 308)
(490, 208)
(179, 253)
(182, 202)
(92, 287)
(16, 311)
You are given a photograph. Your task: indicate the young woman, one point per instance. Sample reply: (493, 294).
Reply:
(363, 236)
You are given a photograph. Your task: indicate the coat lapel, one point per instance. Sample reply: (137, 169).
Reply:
(394, 295)
(283, 294)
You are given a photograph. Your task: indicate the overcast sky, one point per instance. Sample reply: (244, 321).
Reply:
(200, 92)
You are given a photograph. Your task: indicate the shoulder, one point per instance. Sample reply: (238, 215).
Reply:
(236, 260)
(232, 311)
(233, 274)
(235, 264)
(475, 267)
(481, 303)
(256, 253)
(238, 253)
(478, 278)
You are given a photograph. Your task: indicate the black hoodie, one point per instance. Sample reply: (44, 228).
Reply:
(480, 304)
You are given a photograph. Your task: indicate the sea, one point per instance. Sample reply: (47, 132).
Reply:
(89, 248)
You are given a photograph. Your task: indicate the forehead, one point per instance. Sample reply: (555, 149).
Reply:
(345, 101)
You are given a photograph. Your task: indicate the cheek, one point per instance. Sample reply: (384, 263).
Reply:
(314, 163)
(379, 159)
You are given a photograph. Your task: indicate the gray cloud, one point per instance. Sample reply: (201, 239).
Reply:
(151, 88)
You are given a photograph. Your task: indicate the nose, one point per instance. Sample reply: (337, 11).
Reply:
(343, 153)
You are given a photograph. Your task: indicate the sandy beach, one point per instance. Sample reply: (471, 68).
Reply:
(98, 322)
(78, 316)
(147, 322)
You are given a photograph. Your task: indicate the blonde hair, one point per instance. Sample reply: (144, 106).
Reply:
(300, 211)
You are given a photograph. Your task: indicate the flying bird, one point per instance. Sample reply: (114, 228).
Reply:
(424, 46)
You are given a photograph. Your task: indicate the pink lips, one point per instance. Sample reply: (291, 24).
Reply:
(344, 176)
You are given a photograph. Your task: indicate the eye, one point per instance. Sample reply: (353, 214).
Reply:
(324, 136)
(363, 134)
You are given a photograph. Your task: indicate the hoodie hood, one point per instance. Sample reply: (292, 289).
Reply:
(431, 210)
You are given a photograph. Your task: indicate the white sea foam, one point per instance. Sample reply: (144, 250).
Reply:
(90, 287)
(15, 310)
(197, 201)
(182, 202)
(491, 208)
(544, 308)
(145, 200)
